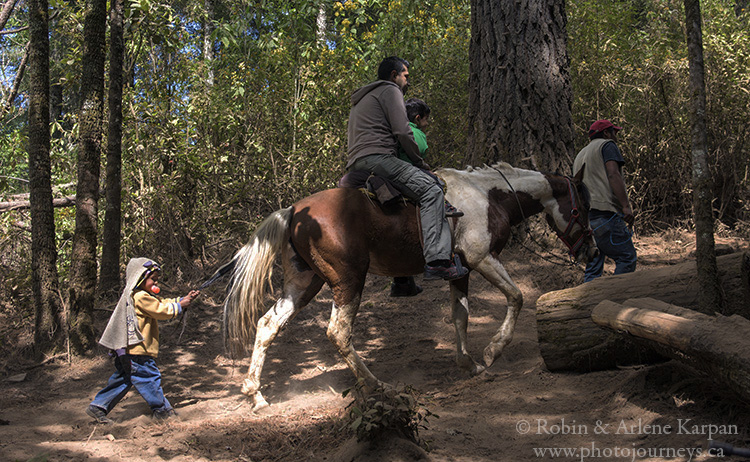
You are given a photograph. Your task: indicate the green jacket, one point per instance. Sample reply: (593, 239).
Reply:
(420, 138)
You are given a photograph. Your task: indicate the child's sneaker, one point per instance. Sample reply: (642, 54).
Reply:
(99, 415)
(447, 273)
(164, 414)
(451, 211)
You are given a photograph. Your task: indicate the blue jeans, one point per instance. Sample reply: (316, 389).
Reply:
(144, 376)
(614, 241)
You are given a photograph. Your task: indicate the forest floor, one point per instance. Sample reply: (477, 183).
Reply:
(511, 412)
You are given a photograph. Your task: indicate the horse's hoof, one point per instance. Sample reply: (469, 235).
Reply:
(491, 353)
(259, 403)
(477, 369)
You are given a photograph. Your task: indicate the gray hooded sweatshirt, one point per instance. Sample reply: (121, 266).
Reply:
(122, 328)
(378, 123)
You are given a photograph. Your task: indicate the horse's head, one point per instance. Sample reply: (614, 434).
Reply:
(571, 219)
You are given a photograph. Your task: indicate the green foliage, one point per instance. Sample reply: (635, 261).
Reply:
(386, 411)
(212, 143)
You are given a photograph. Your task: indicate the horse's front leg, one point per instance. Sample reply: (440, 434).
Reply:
(496, 274)
(340, 334)
(460, 318)
(298, 291)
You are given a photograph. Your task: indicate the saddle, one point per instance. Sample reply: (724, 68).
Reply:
(382, 189)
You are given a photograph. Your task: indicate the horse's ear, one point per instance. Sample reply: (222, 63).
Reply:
(578, 178)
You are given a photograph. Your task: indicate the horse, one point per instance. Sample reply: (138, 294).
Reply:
(338, 236)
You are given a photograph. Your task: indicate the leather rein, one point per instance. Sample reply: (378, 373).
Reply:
(575, 218)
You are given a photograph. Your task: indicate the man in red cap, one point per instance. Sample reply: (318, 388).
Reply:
(611, 214)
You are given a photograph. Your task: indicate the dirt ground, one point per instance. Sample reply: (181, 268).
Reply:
(513, 412)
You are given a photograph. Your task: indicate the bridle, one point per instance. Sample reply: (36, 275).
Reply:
(575, 218)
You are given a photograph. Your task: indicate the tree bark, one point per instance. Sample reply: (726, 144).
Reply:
(83, 267)
(49, 334)
(570, 341)
(109, 276)
(17, 80)
(718, 346)
(710, 294)
(208, 44)
(6, 11)
(520, 95)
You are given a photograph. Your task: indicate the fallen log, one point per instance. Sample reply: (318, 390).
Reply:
(570, 341)
(719, 345)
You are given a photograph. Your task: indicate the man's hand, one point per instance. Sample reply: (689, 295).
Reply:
(188, 299)
(627, 215)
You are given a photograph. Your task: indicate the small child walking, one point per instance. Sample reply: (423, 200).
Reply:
(132, 333)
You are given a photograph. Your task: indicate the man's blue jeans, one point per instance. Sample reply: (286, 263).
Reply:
(144, 376)
(614, 241)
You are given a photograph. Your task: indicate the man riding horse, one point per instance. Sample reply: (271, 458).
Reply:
(378, 124)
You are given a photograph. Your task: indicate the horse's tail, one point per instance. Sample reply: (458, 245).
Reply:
(251, 279)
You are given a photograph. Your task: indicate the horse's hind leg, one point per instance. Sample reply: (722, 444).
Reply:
(460, 318)
(495, 273)
(299, 288)
(340, 334)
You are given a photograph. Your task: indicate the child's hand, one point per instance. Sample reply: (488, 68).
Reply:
(188, 299)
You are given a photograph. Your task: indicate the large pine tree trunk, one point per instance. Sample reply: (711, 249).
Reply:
(83, 268)
(570, 341)
(49, 320)
(109, 279)
(519, 85)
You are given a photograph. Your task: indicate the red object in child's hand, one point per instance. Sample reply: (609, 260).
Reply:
(155, 290)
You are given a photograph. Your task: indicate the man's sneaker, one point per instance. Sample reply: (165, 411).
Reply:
(164, 415)
(99, 415)
(451, 211)
(405, 289)
(447, 273)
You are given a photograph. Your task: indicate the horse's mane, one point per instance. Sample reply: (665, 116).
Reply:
(504, 167)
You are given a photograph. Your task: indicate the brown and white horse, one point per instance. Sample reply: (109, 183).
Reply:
(337, 236)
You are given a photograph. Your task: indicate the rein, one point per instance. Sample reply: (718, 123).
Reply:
(575, 218)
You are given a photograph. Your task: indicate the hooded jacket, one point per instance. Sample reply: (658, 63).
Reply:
(378, 123)
(133, 325)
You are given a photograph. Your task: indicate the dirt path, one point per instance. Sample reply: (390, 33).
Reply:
(510, 413)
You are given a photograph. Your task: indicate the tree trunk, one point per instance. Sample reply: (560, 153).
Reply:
(49, 334)
(83, 259)
(17, 81)
(718, 346)
(109, 278)
(569, 340)
(208, 44)
(6, 11)
(710, 294)
(520, 95)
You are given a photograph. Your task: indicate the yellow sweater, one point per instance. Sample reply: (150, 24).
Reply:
(149, 310)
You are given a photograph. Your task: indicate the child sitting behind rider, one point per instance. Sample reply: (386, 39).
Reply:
(418, 113)
(132, 334)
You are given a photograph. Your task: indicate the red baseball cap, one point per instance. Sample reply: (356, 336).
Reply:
(601, 125)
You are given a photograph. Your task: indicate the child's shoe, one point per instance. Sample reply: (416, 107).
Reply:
(99, 415)
(162, 415)
(451, 211)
